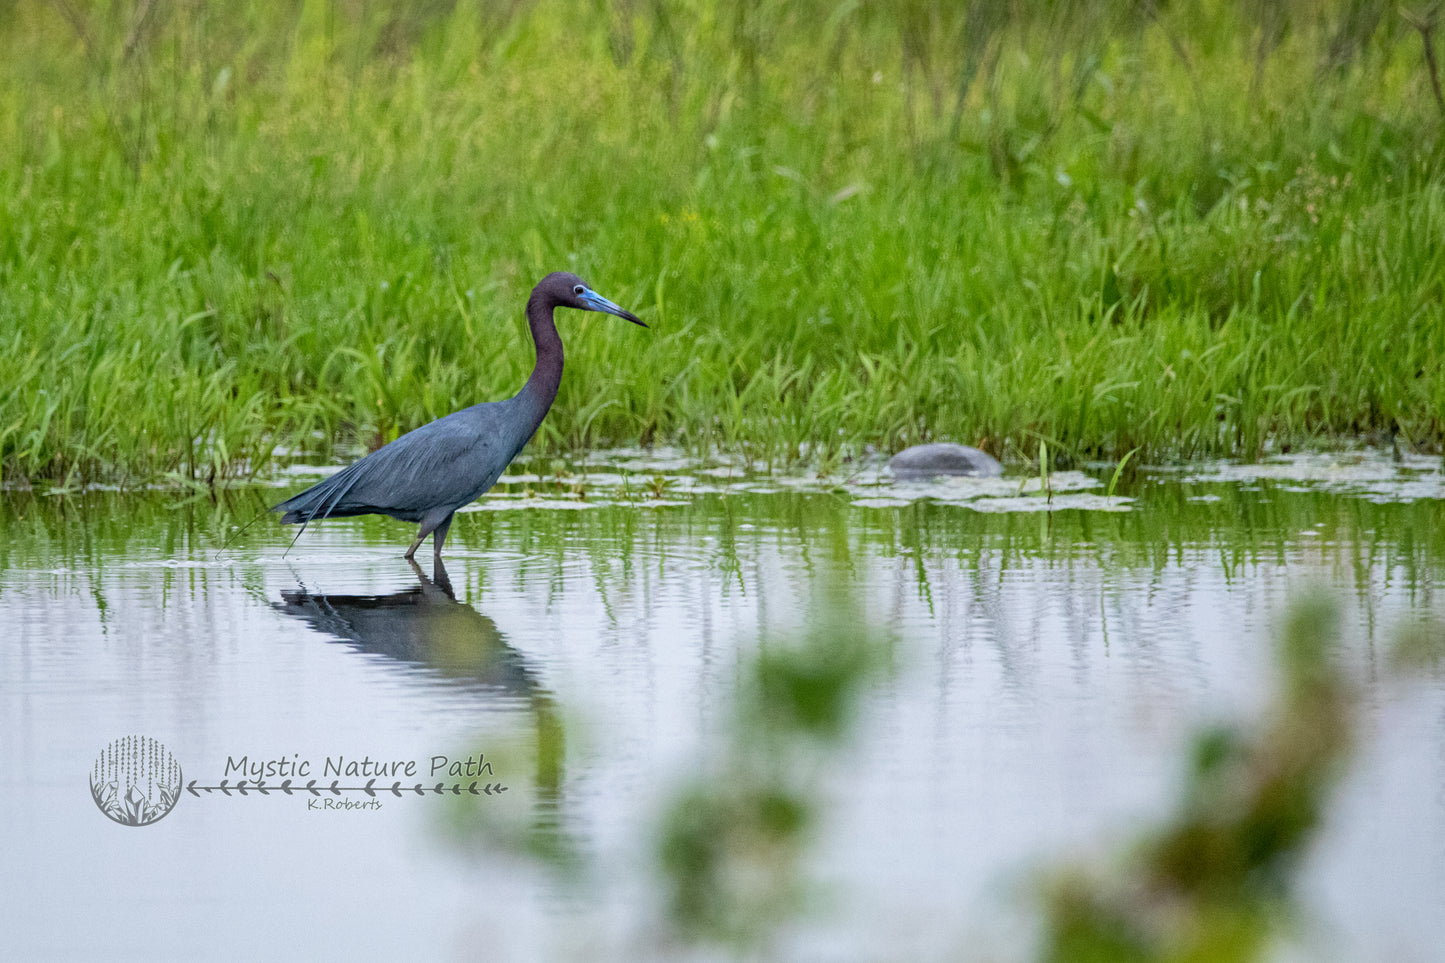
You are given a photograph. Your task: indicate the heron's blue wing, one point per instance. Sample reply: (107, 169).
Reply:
(446, 463)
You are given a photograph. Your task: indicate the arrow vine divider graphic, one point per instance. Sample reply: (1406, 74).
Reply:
(245, 787)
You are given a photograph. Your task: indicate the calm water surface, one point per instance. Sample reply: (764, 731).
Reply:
(1050, 667)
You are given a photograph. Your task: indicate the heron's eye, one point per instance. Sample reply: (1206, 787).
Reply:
(578, 290)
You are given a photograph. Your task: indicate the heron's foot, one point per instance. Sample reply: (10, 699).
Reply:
(411, 552)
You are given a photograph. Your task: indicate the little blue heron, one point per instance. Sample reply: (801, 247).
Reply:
(427, 474)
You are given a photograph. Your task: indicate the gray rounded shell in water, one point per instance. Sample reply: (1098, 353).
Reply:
(943, 458)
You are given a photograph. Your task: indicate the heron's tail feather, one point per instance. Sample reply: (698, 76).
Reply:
(323, 500)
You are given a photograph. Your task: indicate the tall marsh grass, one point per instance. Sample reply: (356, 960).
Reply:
(1190, 228)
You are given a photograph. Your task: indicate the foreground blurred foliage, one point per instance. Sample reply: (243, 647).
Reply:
(730, 842)
(732, 845)
(1189, 228)
(1214, 883)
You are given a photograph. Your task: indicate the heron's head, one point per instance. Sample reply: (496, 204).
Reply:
(570, 291)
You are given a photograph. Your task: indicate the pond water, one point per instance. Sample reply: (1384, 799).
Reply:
(1052, 657)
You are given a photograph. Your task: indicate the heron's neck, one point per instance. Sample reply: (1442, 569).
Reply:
(541, 387)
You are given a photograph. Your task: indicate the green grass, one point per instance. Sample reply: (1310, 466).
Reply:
(1208, 231)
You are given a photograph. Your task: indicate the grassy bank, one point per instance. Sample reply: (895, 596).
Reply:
(1201, 230)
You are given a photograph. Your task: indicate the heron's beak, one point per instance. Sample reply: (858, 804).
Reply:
(596, 302)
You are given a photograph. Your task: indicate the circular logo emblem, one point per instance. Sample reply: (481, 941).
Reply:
(136, 781)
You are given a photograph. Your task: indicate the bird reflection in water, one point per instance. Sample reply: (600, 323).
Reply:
(426, 627)
(422, 626)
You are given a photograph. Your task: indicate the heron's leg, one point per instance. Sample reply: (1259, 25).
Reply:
(439, 537)
(421, 533)
(428, 526)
